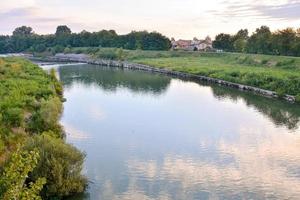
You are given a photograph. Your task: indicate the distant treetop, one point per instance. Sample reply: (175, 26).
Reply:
(62, 30)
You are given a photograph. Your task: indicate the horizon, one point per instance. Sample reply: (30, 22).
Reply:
(176, 20)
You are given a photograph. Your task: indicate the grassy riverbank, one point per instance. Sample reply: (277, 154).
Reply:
(277, 73)
(31, 146)
(283, 78)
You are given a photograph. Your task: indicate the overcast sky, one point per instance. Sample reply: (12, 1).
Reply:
(174, 18)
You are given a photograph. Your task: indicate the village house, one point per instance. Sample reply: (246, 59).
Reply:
(192, 45)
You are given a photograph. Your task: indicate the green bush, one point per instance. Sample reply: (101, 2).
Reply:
(110, 54)
(14, 182)
(60, 164)
(2, 146)
(264, 61)
(59, 49)
(280, 92)
(298, 98)
(13, 116)
(67, 50)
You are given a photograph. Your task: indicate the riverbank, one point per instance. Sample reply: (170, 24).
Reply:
(32, 149)
(183, 72)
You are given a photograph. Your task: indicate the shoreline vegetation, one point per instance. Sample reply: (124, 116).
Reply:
(279, 74)
(35, 161)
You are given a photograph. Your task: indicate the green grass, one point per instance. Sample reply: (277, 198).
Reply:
(280, 74)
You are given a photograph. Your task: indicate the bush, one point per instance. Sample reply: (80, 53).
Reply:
(13, 116)
(285, 62)
(78, 51)
(67, 50)
(108, 54)
(264, 61)
(280, 92)
(2, 146)
(59, 49)
(61, 165)
(46, 118)
(40, 48)
(298, 98)
(14, 183)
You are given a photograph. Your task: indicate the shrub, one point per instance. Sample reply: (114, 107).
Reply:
(40, 47)
(264, 61)
(67, 50)
(298, 98)
(78, 51)
(2, 146)
(14, 183)
(59, 49)
(13, 116)
(285, 62)
(60, 163)
(280, 92)
(46, 118)
(107, 54)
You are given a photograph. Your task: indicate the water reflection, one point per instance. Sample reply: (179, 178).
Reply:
(154, 137)
(111, 78)
(280, 112)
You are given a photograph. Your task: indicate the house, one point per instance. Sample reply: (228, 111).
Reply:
(192, 45)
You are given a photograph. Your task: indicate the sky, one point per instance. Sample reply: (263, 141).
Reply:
(174, 18)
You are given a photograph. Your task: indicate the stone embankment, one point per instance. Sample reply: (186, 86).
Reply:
(83, 58)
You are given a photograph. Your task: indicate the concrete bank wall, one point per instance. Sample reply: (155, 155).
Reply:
(82, 58)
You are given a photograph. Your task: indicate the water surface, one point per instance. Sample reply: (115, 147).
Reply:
(149, 136)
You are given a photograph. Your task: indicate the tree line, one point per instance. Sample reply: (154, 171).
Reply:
(262, 41)
(24, 39)
(281, 42)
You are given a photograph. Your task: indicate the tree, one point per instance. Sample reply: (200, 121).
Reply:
(240, 40)
(14, 183)
(155, 41)
(63, 36)
(23, 31)
(22, 38)
(260, 41)
(223, 41)
(242, 34)
(284, 41)
(63, 30)
(240, 45)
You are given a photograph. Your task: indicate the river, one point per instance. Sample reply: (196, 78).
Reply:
(150, 136)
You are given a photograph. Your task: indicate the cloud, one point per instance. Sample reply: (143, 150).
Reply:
(285, 10)
(261, 165)
(74, 133)
(34, 17)
(28, 13)
(180, 19)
